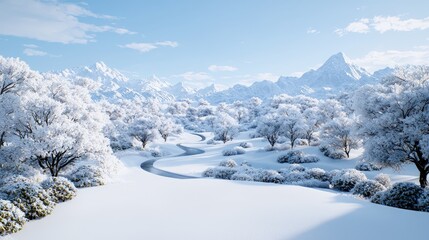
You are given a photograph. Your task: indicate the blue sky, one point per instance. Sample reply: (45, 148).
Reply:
(223, 42)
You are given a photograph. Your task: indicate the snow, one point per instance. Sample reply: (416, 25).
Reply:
(140, 205)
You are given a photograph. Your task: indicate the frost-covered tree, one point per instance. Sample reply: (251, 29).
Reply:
(312, 121)
(225, 127)
(144, 130)
(338, 135)
(292, 123)
(394, 120)
(166, 127)
(270, 127)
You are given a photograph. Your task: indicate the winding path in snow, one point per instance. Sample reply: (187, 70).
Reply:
(189, 151)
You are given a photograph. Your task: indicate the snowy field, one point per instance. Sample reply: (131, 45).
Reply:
(141, 205)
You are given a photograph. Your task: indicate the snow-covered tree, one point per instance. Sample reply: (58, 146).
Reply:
(225, 127)
(313, 121)
(338, 135)
(292, 123)
(166, 127)
(144, 130)
(270, 127)
(394, 120)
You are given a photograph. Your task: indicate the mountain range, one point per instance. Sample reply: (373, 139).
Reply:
(336, 75)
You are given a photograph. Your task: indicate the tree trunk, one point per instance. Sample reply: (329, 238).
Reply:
(423, 178)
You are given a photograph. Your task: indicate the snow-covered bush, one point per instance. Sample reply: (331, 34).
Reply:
(224, 172)
(368, 166)
(367, 188)
(241, 177)
(87, 176)
(318, 174)
(59, 188)
(402, 195)
(228, 163)
(293, 176)
(423, 203)
(213, 142)
(234, 151)
(384, 179)
(347, 179)
(156, 152)
(209, 172)
(331, 152)
(269, 176)
(31, 198)
(11, 218)
(296, 156)
(313, 183)
(294, 167)
(246, 145)
(301, 142)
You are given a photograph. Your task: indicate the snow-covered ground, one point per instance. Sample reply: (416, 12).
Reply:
(140, 205)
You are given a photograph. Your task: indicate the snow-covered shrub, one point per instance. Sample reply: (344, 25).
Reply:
(59, 188)
(296, 156)
(228, 163)
(11, 218)
(367, 166)
(347, 179)
(294, 176)
(156, 152)
(241, 177)
(313, 183)
(282, 147)
(233, 151)
(213, 142)
(301, 142)
(331, 152)
(384, 179)
(294, 167)
(87, 176)
(31, 198)
(310, 159)
(269, 176)
(423, 202)
(402, 195)
(209, 172)
(367, 188)
(318, 174)
(246, 145)
(224, 172)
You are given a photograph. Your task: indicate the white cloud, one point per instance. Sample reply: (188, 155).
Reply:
(376, 60)
(167, 43)
(51, 21)
(34, 52)
(141, 47)
(360, 26)
(217, 68)
(312, 31)
(383, 24)
(146, 47)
